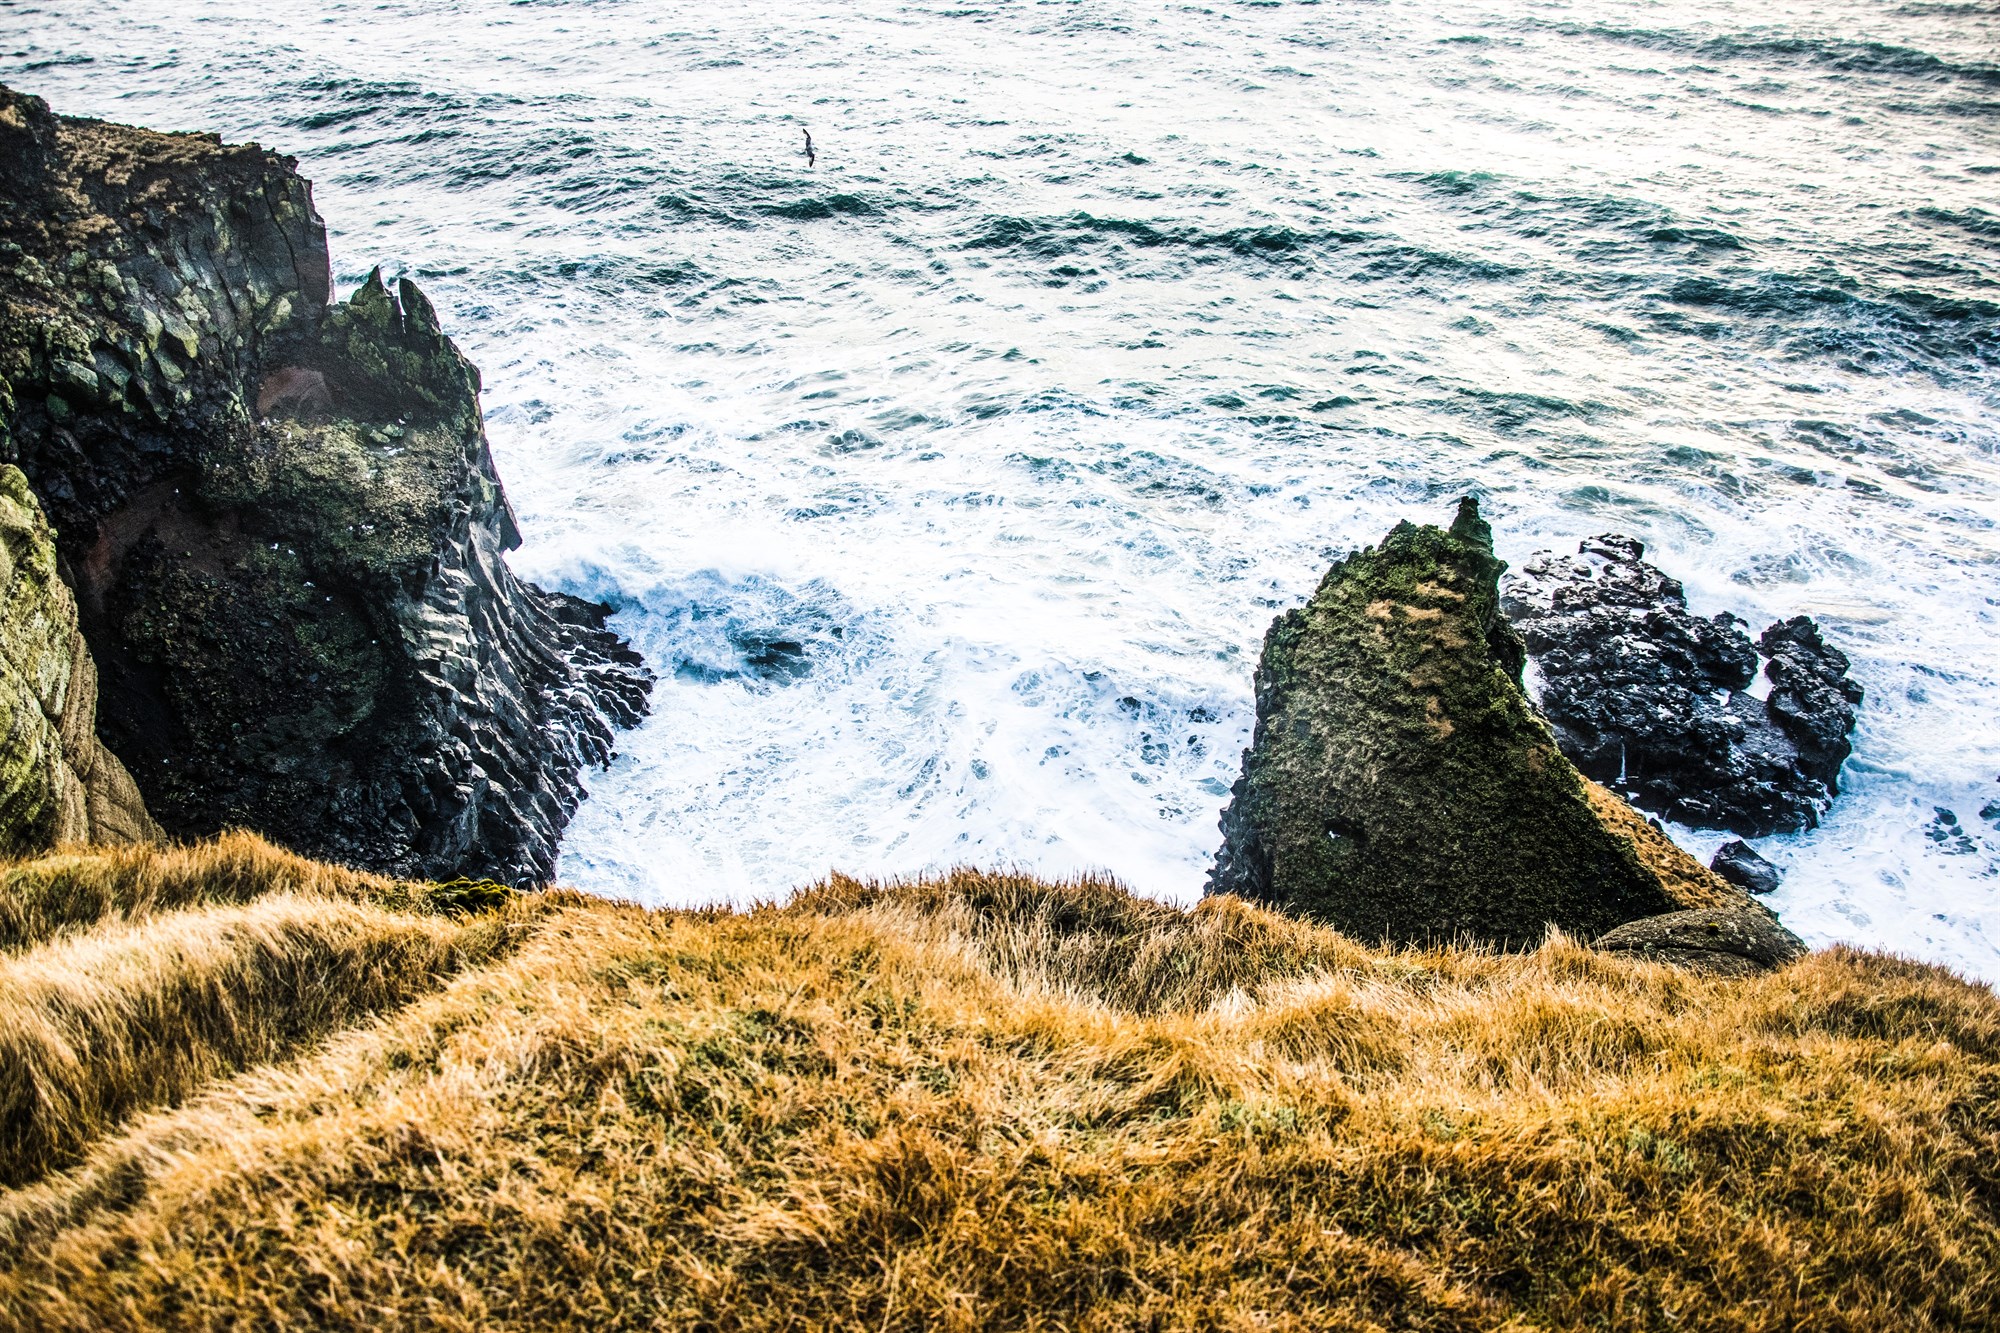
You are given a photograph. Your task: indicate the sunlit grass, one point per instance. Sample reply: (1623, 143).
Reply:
(981, 1101)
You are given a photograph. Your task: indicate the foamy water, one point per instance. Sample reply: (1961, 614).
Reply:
(950, 482)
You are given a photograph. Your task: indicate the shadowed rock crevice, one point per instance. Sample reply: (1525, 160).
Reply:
(281, 517)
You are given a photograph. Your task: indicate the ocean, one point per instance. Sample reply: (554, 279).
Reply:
(950, 478)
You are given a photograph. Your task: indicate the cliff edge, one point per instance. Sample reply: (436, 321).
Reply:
(281, 517)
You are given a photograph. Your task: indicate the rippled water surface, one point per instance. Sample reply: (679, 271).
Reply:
(951, 480)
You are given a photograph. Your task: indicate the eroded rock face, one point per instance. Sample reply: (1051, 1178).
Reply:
(281, 517)
(1655, 701)
(58, 784)
(1400, 786)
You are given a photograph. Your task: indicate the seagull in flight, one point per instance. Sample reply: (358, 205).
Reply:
(811, 157)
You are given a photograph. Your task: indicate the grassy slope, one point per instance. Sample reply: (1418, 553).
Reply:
(985, 1102)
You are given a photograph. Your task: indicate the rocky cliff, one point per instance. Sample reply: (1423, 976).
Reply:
(281, 517)
(58, 783)
(1400, 786)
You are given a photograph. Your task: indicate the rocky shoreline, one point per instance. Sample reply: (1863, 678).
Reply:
(1460, 1040)
(286, 537)
(281, 518)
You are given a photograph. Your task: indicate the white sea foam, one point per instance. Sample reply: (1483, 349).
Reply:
(951, 484)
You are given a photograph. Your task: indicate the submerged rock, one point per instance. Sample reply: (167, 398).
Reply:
(1948, 835)
(281, 517)
(1729, 941)
(1739, 863)
(1399, 785)
(58, 784)
(1655, 701)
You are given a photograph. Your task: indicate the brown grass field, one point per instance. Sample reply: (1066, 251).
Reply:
(244, 1091)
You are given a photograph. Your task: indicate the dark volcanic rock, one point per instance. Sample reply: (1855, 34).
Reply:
(1652, 700)
(1399, 784)
(1811, 698)
(281, 517)
(1738, 862)
(1730, 941)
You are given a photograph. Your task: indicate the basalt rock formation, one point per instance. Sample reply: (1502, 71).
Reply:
(58, 784)
(1400, 786)
(1655, 701)
(281, 517)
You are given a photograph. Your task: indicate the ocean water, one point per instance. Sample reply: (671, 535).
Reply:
(951, 479)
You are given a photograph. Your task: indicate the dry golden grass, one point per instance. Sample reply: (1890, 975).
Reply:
(94, 1027)
(79, 887)
(983, 1102)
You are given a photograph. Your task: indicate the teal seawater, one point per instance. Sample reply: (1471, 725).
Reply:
(950, 479)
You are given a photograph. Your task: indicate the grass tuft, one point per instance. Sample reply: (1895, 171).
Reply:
(95, 1027)
(79, 887)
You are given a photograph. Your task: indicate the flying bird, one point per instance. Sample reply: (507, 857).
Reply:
(811, 157)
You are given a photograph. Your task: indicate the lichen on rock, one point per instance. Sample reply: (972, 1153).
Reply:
(1734, 941)
(58, 784)
(1400, 786)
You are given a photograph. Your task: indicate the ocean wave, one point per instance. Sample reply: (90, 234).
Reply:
(1074, 233)
(1976, 221)
(812, 208)
(1843, 54)
(749, 630)
(1351, 254)
(1834, 314)
(339, 103)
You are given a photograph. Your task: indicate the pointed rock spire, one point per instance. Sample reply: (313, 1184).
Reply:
(1400, 785)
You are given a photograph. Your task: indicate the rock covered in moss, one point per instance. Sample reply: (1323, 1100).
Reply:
(1399, 785)
(58, 784)
(1655, 700)
(285, 525)
(1732, 941)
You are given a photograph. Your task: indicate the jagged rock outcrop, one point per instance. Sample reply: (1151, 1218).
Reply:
(58, 784)
(281, 517)
(1654, 701)
(1734, 941)
(1400, 786)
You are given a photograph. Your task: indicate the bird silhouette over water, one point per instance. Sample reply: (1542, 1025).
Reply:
(811, 157)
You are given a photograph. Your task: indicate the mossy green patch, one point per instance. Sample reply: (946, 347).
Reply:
(387, 352)
(463, 896)
(366, 501)
(57, 783)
